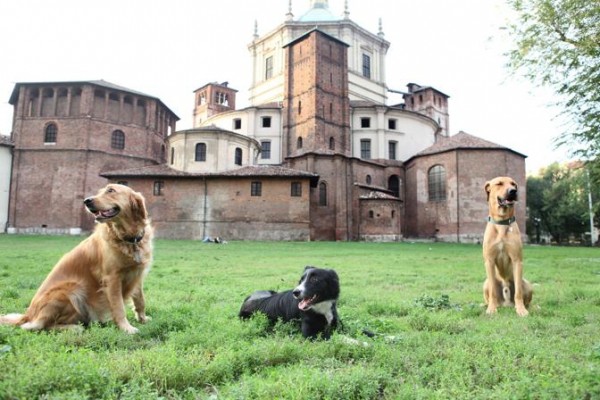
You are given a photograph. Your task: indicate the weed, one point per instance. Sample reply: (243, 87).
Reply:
(433, 304)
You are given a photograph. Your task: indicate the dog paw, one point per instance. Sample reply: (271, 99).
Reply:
(142, 318)
(491, 310)
(522, 311)
(32, 326)
(129, 329)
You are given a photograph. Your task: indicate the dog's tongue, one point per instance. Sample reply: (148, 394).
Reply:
(105, 213)
(506, 202)
(305, 304)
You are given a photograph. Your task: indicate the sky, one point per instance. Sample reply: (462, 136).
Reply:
(167, 49)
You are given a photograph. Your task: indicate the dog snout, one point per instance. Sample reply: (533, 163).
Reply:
(89, 202)
(512, 194)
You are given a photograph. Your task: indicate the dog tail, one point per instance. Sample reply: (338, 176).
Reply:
(506, 294)
(13, 319)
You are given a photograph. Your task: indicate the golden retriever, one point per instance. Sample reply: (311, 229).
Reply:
(92, 281)
(503, 250)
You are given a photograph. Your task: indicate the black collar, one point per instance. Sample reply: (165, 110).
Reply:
(502, 221)
(135, 239)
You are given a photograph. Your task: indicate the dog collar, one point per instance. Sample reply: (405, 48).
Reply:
(502, 221)
(135, 239)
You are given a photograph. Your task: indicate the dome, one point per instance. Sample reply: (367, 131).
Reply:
(319, 12)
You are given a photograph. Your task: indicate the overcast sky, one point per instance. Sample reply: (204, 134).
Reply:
(168, 49)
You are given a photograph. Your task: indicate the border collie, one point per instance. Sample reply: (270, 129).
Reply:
(312, 302)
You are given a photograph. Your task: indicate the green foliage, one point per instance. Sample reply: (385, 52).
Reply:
(558, 200)
(423, 302)
(431, 303)
(557, 44)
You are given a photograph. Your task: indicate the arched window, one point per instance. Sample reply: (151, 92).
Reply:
(200, 152)
(322, 194)
(371, 214)
(437, 183)
(32, 108)
(368, 179)
(331, 143)
(394, 185)
(299, 143)
(48, 106)
(62, 109)
(172, 155)
(238, 156)
(118, 140)
(50, 133)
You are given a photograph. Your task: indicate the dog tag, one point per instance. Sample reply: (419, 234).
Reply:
(137, 257)
(510, 229)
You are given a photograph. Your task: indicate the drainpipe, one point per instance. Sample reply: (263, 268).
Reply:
(205, 206)
(349, 199)
(457, 201)
(10, 184)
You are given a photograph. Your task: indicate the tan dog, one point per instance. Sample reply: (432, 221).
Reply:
(91, 282)
(503, 250)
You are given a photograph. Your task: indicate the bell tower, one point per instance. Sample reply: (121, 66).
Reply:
(316, 104)
(212, 99)
(429, 101)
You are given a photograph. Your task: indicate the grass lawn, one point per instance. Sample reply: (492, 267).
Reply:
(423, 300)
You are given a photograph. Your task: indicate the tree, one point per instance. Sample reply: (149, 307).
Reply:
(557, 44)
(558, 199)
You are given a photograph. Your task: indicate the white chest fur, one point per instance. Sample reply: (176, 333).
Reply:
(325, 308)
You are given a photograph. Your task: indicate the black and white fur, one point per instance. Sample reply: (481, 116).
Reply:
(312, 302)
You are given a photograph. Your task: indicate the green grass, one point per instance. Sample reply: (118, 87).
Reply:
(423, 301)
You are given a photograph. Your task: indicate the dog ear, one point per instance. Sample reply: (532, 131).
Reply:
(138, 208)
(308, 267)
(333, 274)
(487, 190)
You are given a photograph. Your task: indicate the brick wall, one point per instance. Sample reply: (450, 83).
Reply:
(196, 208)
(316, 95)
(461, 217)
(380, 220)
(50, 180)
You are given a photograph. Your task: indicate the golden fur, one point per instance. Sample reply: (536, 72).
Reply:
(503, 250)
(92, 281)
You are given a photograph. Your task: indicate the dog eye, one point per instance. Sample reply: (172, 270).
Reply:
(313, 279)
(110, 190)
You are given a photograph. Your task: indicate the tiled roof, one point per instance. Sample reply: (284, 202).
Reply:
(100, 82)
(461, 141)
(207, 128)
(5, 141)
(316, 29)
(363, 103)
(109, 85)
(268, 171)
(165, 171)
(416, 88)
(162, 170)
(378, 196)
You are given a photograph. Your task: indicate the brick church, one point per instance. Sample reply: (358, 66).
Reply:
(317, 155)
